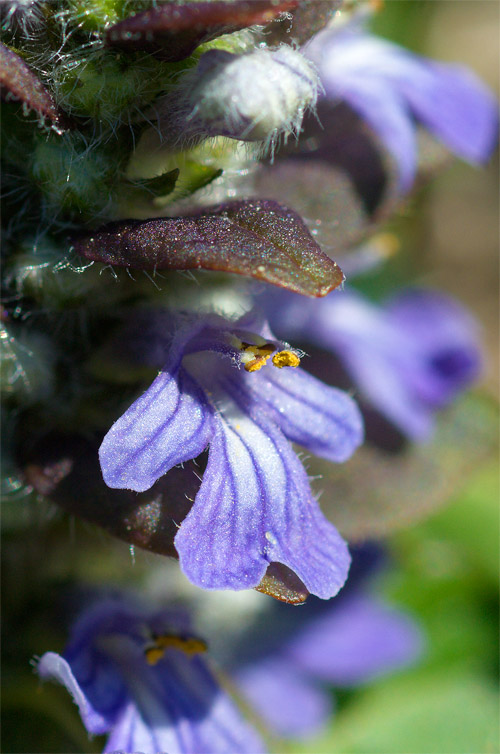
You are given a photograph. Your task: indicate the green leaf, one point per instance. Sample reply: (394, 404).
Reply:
(159, 186)
(435, 714)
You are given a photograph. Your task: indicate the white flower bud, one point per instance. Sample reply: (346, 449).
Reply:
(254, 97)
(257, 96)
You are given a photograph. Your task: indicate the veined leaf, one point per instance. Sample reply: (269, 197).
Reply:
(255, 237)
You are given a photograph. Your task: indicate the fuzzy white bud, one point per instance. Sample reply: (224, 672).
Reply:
(253, 97)
(257, 96)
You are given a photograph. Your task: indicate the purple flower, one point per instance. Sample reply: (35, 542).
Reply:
(138, 676)
(394, 90)
(409, 357)
(345, 642)
(222, 385)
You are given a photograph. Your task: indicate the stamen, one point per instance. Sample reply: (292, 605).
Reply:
(285, 359)
(386, 245)
(190, 645)
(254, 357)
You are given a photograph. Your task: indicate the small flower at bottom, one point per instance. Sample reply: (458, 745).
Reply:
(243, 394)
(140, 676)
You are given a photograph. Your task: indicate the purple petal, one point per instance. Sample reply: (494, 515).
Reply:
(453, 104)
(170, 423)
(358, 640)
(291, 705)
(54, 667)
(448, 337)
(323, 419)
(390, 87)
(255, 507)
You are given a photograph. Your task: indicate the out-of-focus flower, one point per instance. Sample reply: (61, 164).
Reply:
(223, 385)
(409, 357)
(394, 90)
(139, 676)
(295, 653)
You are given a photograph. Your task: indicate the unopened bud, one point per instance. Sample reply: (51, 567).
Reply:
(258, 96)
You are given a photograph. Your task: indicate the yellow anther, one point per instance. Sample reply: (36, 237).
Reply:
(255, 364)
(285, 359)
(190, 645)
(153, 655)
(386, 244)
(254, 357)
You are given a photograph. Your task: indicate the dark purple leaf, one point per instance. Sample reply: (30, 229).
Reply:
(173, 30)
(18, 81)
(256, 237)
(303, 22)
(65, 470)
(380, 491)
(283, 584)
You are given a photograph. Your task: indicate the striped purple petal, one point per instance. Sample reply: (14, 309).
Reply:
(255, 507)
(323, 419)
(170, 423)
(392, 89)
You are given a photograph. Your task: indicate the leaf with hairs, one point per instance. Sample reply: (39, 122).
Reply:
(258, 238)
(19, 82)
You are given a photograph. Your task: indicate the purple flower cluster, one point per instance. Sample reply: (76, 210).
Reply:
(235, 398)
(394, 91)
